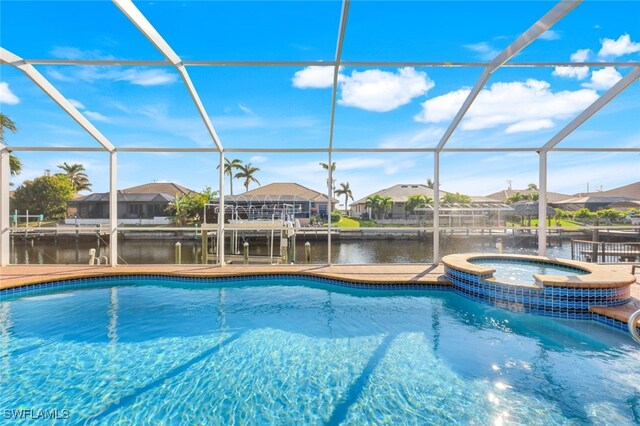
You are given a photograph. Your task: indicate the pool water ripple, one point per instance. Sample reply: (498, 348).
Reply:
(284, 353)
(509, 271)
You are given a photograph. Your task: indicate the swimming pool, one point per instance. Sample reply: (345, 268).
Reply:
(521, 271)
(301, 351)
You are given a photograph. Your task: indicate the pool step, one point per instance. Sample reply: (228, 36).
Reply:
(619, 313)
(618, 316)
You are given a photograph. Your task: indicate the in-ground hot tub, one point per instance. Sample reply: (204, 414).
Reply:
(538, 285)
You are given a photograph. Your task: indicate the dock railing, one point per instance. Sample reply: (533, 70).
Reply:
(605, 252)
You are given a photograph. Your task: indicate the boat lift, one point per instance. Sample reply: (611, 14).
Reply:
(251, 220)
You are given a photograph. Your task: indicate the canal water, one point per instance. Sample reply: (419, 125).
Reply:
(162, 251)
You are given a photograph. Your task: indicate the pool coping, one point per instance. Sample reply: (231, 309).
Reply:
(380, 274)
(420, 275)
(598, 276)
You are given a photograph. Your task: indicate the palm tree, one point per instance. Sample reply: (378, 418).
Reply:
(77, 176)
(373, 203)
(229, 167)
(15, 165)
(346, 191)
(415, 201)
(333, 169)
(179, 209)
(451, 198)
(246, 172)
(430, 183)
(386, 204)
(326, 166)
(515, 198)
(6, 123)
(532, 196)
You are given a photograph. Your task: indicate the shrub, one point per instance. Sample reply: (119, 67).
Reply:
(47, 195)
(585, 215)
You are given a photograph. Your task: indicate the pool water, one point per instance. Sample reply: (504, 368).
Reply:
(508, 271)
(295, 351)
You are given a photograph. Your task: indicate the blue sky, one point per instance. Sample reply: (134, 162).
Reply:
(289, 107)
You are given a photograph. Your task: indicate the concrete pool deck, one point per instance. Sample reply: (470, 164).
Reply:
(419, 274)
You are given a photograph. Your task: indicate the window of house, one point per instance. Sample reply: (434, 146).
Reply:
(135, 209)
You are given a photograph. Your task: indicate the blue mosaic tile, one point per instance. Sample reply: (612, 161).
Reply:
(557, 302)
(73, 284)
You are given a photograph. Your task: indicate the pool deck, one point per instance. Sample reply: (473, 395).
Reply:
(423, 274)
(419, 274)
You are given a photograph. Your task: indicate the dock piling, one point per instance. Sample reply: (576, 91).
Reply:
(178, 253)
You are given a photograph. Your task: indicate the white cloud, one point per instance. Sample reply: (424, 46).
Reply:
(96, 116)
(579, 73)
(56, 75)
(381, 91)
(371, 90)
(152, 77)
(428, 137)
(442, 108)
(396, 167)
(67, 52)
(6, 95)
(76, 104)
(358, 163)
(241, 122)
(622, 46)
(484, 50)
(245, 109)
(258, 159)
(550, 35)
(603, 79)
(580, 55)
(530, 126)
(140, 77)
(522, 106)
(314, 78)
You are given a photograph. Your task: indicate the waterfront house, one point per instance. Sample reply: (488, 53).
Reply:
(503, 195)
(620, 197)
(273, 198)
(479, 210)
(143, 204)
(399, 194)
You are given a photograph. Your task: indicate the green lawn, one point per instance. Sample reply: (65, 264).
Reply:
(34, 223)
(347, 222)
(565, 224)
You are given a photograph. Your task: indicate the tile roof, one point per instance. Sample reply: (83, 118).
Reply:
(631, 191)
(159, 188)
(123, 198)
(282, 190)
(400, 192)
(149, 192)
(503, 195)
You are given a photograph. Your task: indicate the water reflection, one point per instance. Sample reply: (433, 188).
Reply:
(162, 251)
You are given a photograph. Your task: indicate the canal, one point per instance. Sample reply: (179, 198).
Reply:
(162, 251)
